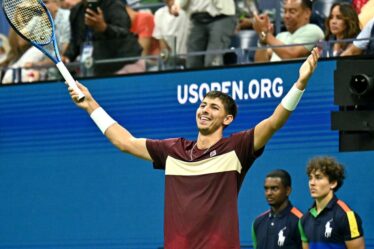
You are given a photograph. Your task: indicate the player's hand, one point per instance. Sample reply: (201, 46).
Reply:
(308, 67)
(88, 104)
(95, 20)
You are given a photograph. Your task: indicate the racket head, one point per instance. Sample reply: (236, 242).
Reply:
(30, 19)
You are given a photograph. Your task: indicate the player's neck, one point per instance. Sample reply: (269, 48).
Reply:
(206, 141)
(322, 202)
(280, 208)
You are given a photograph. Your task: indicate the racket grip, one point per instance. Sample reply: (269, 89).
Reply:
(70, 80)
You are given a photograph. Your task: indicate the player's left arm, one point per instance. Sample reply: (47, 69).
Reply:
(358, 243)
(266, 128)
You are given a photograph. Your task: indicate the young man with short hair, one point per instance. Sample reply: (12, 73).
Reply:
(203, 177)
(329, 223)
(278, 227)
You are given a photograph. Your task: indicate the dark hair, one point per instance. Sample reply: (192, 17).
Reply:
(350, 17)
(283, 175)
(307, 4)
(328, 166)
(228, 102)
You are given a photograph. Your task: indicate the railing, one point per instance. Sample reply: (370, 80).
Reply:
(162, 62)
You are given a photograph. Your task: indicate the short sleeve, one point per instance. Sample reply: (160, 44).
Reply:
(350, 225)
(364, 34)
(309, 34)
(145, 24)
(243, 145)
(157, 31)
(254, 238)
(301, 231)
(159, 151)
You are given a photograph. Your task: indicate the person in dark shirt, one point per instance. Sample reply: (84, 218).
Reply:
(278, 227)
(203, 176)
(329, 223)
(102, 32)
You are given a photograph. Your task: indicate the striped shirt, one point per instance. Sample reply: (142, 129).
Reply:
(334, 225)
(277, 231)
(201, 189)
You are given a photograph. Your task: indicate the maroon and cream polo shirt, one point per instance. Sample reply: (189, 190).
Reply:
(201, 189)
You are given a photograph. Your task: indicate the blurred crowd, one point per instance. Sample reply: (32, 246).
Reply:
(108, 37)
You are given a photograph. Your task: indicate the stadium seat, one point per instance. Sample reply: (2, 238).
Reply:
(245, 39)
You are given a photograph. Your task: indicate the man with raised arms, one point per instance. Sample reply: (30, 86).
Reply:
(203, 177)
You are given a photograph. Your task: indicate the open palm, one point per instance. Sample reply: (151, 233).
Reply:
(308, 67)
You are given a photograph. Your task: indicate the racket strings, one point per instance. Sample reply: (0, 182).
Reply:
(30, 19)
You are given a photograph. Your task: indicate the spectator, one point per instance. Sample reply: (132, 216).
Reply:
(63, 34)
(366, 13)
(278, 227)
(365, 45)
(18, 47)
(142, 24)
(170, 30)
(68, 4)
(33, 57)
(20, 52)
(296, 19)
(4, 48)
(341, 24)
(358, 4)
(246, 13)
(329, 223)
(103, 33)
(213, 23)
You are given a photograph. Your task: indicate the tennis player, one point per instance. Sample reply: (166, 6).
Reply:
(203, 177)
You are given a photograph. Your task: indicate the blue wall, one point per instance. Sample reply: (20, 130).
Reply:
(4, 26)
(63, 185)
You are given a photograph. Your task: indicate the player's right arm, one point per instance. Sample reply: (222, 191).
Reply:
(117, 134)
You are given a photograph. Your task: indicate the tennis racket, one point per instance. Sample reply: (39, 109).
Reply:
(33, 22)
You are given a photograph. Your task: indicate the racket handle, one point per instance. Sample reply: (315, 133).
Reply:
(70, 80)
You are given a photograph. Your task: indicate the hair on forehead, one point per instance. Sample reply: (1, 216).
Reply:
(227, 101)
(283, 175)
(329, 167)
(307, 4)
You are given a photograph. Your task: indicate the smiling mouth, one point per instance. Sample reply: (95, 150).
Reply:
(204, 118)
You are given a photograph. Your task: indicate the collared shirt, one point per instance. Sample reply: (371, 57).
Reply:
(308, 35)
(201, 189)
(275, 231)
(334, 225)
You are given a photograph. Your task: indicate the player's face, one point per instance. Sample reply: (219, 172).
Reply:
(320, 185)
(336, 22)
(275, 192)
(210, 116)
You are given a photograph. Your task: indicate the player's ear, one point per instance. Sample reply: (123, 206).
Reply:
(333, 185)
(228, 119)
(288, 190)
